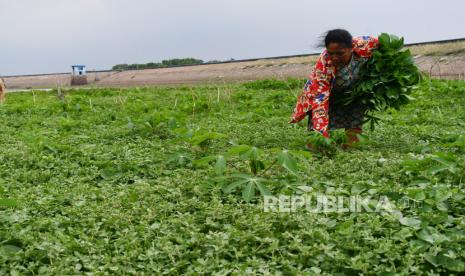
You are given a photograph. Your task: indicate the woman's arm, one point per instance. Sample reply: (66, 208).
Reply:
(364, 45)
(315, 96)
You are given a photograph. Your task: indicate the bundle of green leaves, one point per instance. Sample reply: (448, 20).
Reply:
(386, 79)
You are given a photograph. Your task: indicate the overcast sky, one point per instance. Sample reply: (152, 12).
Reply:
(43, 36)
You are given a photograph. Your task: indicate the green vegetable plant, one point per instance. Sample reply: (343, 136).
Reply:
(386, 80)
(255, 174)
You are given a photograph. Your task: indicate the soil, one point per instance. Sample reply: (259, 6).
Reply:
(440, 66)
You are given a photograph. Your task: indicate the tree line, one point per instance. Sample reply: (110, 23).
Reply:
(164, 63)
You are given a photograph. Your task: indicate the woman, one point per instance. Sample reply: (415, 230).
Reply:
(335, 71)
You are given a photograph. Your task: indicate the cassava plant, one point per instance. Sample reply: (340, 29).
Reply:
(256, 177)
(386, 79)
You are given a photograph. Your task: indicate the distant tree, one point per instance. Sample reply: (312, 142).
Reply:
(181, 61)
(120, 67)
(164, 63)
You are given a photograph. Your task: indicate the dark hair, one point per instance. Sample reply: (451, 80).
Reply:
(340, 36)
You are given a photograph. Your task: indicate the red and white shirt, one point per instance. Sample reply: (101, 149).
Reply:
(316, 92)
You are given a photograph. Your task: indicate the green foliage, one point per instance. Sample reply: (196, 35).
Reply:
(7, 202)
(286, 160)
(458, 143)
(276, 84)
(179, 159)
(249, 185)
(321, 143)
(433, 164)
(259, 174)
(202, 139)
(137, 183)
(436, 181)
(3, 201)
(163, 64)
(386, 80)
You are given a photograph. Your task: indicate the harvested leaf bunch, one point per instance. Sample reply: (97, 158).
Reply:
(386, 79)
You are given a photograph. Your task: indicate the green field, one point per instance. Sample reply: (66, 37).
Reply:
(138, 181)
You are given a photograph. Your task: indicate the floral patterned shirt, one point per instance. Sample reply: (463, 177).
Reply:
(316, 92)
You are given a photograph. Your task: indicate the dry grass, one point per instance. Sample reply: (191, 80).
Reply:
(282, 61)
(444, 49)
(439, 49)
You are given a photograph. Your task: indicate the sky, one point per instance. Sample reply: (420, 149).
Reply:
(48, 36)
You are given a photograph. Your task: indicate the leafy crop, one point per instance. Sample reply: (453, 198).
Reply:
(274, 84)
(170, 180)
(252, 179)
(386, 80)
